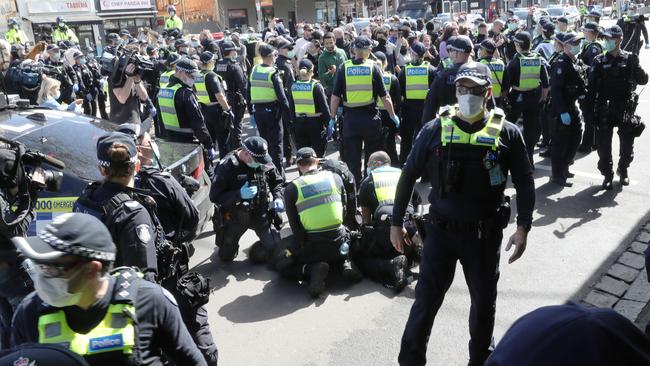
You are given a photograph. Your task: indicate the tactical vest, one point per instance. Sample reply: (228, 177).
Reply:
(496, 67)
(417, 81)
(202, 89)
(303, 98)
(261, 79)
(59, 35)
(14, 36)
(113, 339)
(465, 166)
(168, 113)
(385, 181)
(386, 78)
(530, 67)
(358, 84)
(319, 202)
(164, 78)
(174, 22)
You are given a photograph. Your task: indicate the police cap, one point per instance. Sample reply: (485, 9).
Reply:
(74, 233)
(522, 38)
(136, 130)
(227, 46)
(418, 48)
(595, 14)
(267, 50)
(52, 47)
(106, 143)
(474, 71)
(112, 37)
(305, 64)
(613, 32)
(257, 148)
(488, 45)
(362, 43)
(41, 354)
(592, 27)
(181, 43)
(124, 32)
(548, 28)
(151, 49)
(283, 43)
(305, 153)
(207, 56)
(462, 44)
(380, 56)
(173, 58)
(569, 37)
(188, 66)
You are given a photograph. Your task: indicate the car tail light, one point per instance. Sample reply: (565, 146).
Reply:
(199, 168)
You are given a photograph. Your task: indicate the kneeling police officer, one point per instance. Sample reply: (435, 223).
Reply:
(247, 193)
(315, 211)
(108, 317)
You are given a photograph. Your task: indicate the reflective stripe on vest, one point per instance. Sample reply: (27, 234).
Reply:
(262, 90)
(319, 202)
(417, 81)
(488, 136)
(496, 67)
(385, 181)
(201, 89)
(303, 98)
(358, 84)
(168, 109)
(529, 71)
(386, 77)
(113, 333)
(164, 78)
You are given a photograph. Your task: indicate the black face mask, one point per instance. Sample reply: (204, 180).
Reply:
(381, 41)
(340, 43)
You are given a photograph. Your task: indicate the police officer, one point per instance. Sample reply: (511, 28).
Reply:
(388, 128)
(443, 90)
(377, 258)
(633, 26)
(87, 89)
(15, 35)
(548, 119)
(468, 155)
(310, 110)
(170, 69)
(108, 317)
(545, 45)
(498, 75)
(68, 77)
(415, 78)
(562, 24)
(182, 47)
(179, 219)
(268, 103)
(214, 105)
(613, 78)
(127, 214)
(315, 210)
(180, 110)
(513, 28)
(592, 47)
(243, 202)
(173, 22)
(528, 76)
(112, 42)
(62, 32)
(358, 85)
(567, 85)
(594, 16)
(284, 66)
(236, 89)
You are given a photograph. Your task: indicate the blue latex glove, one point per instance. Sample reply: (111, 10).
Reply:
(330, 128)
(395, 120)
(89, 97)
(566, 118)
(75, 88)
(212, 153)
(278, 205)
(339, 111)
(251, 121)
(153, 112)
(247, 192)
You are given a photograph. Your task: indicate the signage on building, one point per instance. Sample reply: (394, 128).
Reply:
(266, 3)
(191, 11)
(58, 6)
(237, 13)
(124, 4)
(7, 8)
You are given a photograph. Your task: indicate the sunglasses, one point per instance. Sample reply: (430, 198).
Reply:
(476, 90)
(55, 269)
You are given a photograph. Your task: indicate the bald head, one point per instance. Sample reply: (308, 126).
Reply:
(378, 159)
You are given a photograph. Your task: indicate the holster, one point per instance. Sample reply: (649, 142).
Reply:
(503, 213)
(194, 289)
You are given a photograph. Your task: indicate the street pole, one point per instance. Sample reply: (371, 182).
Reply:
(385, 9)
(258, 7)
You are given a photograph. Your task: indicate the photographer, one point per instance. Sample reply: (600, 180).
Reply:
(126, 94)
(17, 191)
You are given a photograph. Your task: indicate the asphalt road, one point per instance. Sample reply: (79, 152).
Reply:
(259, 318)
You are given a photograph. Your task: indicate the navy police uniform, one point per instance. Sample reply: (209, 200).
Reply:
(285, 68)
(236, 91)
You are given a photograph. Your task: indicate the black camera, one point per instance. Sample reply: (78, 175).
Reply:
(18, 165)
(114, 66)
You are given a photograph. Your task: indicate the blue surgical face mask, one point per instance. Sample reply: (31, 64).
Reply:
(291, 54)
(575, 50)
(513, 26)
(609, 45)
(82, 61)
(254, 165)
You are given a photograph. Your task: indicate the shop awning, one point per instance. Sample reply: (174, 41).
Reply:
(69, 18)
(126, 14)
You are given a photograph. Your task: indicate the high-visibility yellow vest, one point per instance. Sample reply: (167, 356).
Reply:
(417, 81)
(168, 109)
(487, 136)
(164, 78)
(496, 67)
(386, 78)
(59, 35)
(530, 67)
(446, 63)
(319, 202)
(174, 22)
(302, 93)
(358, 84)
(14, 36)
(261, 81)
(385, 181)
(202, 89)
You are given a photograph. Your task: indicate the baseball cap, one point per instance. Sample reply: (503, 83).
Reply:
(188, 66)
(227, 46)
(522, 38)
(613, 31)
(474, 71)
(462, 44)
(74, 233)
(488, 45)
(305, 64)
(548, 28)
(380, 56)
(52, 47)
(362, 43)
(258, 148)
(283, 43)
(136, 130)
(305, 153)
(106, 142)
(207, 56)
(418, 48)
(267, 50)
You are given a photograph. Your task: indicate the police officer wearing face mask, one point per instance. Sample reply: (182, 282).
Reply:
(633, 26)
(112, 42)
(529, 82)
(180, 110)
(567, 85)
(468, 154)
(284, 66)
(87, 89)
(15, 35)
(414, 78)
(62, 32)
(174, 21)
(68, 76)
(613, 78)
(498, 74)
(591, 48)
(247, 192)
(236, 88)
(110, 317)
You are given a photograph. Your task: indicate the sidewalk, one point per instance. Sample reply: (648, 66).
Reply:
(624, 286)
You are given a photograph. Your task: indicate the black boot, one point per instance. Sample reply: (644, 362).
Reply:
(397, 267)
(350, 271)
(622, 173)
(317, 275)
(561, 181)
(607, 182)
(228, 251)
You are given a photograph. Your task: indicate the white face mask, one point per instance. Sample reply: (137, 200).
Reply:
(189, 81)
(470, 105)
(54, 290)
(56, 95)
(61, 25)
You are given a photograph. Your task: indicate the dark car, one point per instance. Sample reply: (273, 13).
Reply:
(72, 138)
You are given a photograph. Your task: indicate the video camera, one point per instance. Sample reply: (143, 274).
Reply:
(17, 167)
(114, 66)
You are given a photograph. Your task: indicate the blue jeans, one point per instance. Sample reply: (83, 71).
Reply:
(15, 284)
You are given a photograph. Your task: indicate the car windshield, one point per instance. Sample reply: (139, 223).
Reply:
(413, 13)
(521, 14)
(556, 12)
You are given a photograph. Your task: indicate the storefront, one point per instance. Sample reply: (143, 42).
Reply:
(79, 15)
(126, 14)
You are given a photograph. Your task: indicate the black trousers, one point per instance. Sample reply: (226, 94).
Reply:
(289, 140)
(480, 260)
(527, 104)
(311, 132)
(235, 134)
(101, 101)
(388, 133)
(589, 134)
(409, 128)
(565, 144)
(362, 134)
(90, 107)
(270, 127)
(218, 126)
(238, 222)
(626, 149)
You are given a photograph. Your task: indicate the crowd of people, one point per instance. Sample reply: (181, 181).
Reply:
(469, 102)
